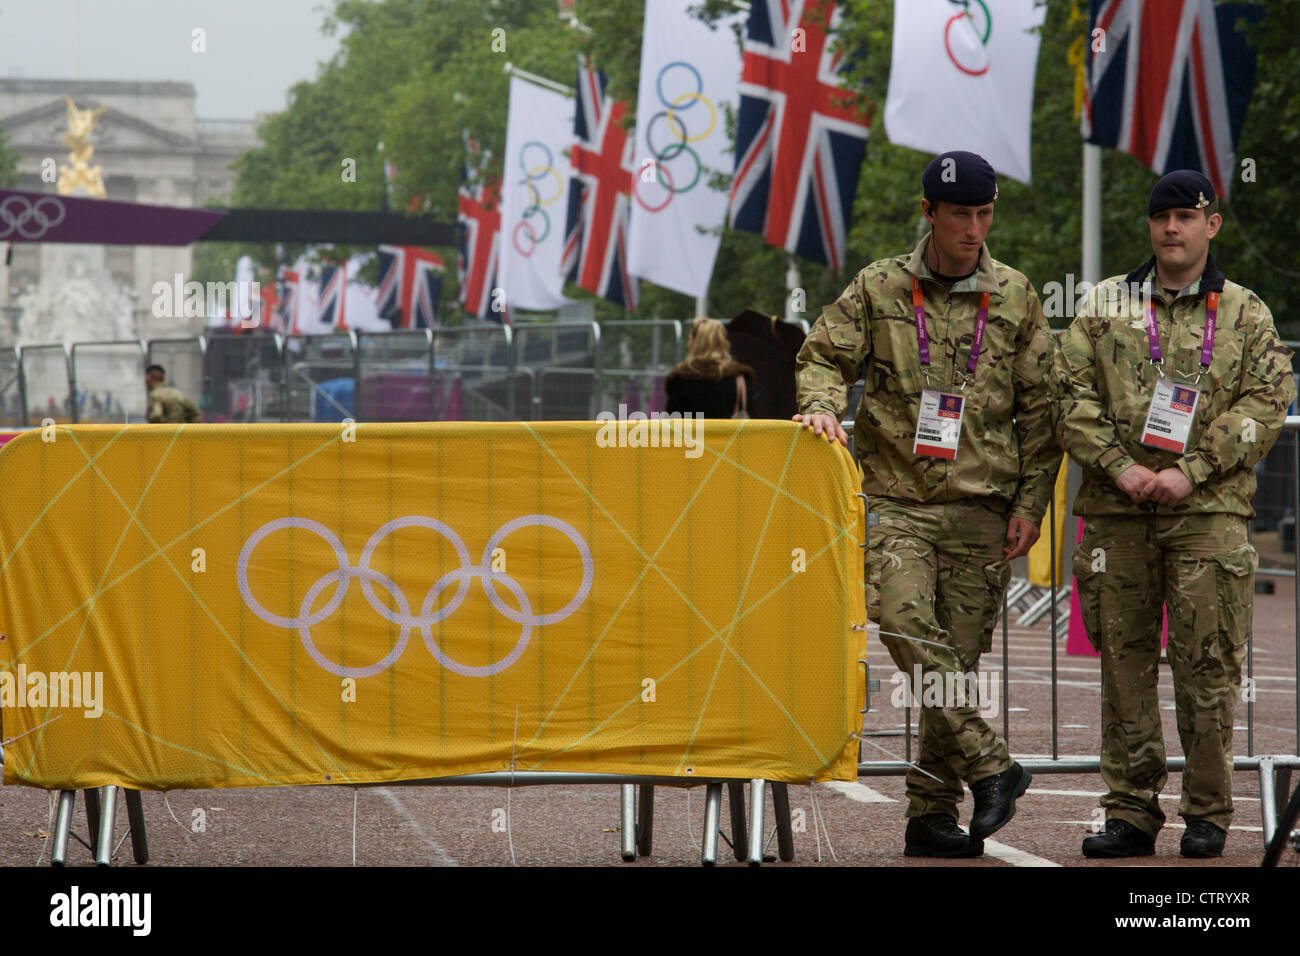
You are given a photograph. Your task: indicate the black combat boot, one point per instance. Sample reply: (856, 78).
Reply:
(1202, 840)
(937, 834)
(995, 800)
(1120, 839)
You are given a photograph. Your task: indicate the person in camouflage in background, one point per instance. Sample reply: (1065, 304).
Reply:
(167, 404)
(1165, 514)
(953, 499)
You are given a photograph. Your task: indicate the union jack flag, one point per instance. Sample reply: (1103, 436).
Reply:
(600, 208)
(410, 286)
(1170, 84)
(333, 295)
(480, 236)
(799, 141)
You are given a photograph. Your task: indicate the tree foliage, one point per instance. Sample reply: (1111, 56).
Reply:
(412, 74)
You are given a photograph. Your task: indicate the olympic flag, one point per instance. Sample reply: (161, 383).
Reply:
(534, 196)
(371, 603)
(962, 77)
(688, 73)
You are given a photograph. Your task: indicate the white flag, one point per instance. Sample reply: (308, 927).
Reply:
(963, 78)
(362, 302)
(687, 73)
(534, 196)
(305, 306)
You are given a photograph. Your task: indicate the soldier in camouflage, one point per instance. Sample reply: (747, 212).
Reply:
(167, 404)
(951, 505)
(1165, 514)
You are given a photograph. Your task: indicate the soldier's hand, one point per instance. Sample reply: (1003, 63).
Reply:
(824, 424)
(1169, 487)
(1021, 535)
(1135, 481)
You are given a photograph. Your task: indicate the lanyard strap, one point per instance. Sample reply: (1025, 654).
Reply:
(1207, 340)
(923, 336)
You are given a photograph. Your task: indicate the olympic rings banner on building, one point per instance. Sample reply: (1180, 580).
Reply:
(227, 606)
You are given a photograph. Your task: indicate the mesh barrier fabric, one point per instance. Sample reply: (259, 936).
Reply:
(305, 604)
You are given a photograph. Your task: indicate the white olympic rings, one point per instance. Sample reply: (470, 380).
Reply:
(17, 211)
(461, 577)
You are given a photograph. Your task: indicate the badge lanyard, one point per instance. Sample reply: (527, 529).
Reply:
(1172, 413)
(923, 336)
(1154, 353)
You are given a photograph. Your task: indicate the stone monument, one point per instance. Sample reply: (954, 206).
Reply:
(77, 301)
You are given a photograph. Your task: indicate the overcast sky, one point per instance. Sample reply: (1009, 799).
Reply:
(256, 49)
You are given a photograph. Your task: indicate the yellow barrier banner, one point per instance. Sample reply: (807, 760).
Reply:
(1040, 555)
(201, 606)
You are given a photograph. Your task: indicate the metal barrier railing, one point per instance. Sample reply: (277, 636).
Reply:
(1274, 770)
(113, 368)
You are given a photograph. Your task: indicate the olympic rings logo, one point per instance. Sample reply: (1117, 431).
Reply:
(673, 120)
(18, 213)
(983, 39)
(368, 576)
(537, 175)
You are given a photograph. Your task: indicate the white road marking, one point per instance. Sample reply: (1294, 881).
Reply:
(1009, 854)
(1168, 826)
(858, 792)
(441, 856)
(1099, 793)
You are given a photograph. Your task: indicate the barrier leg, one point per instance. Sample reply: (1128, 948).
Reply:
(627, 820)
(757, 791)
(107, 818)
(1267, 799)
(1281, 789)
(736, 804)
(784, 833)
(62, 827)
(135, 818)
(92, 814)
(645, 820)
(712, 812)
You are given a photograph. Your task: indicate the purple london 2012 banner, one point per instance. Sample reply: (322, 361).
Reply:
(44, 217)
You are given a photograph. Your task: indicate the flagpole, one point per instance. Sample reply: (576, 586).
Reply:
(1091, 213)
(512, 70)
(792, 282)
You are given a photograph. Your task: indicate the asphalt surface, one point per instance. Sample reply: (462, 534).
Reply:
(836, 824)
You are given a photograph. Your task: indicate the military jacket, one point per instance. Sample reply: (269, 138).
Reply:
(1107, 380)
(1008, 447)
(167, 404)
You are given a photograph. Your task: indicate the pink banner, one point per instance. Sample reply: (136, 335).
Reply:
(1076, 641)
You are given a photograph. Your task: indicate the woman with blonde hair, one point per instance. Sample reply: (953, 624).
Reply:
(710, 381)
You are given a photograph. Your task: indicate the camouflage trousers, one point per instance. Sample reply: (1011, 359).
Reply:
(935, 575)
(1201, 568)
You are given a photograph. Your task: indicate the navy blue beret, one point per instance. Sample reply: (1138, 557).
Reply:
(1181, 189)
(960, 177)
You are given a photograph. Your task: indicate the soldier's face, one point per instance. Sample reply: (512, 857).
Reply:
(1180, 238)
(959, 232)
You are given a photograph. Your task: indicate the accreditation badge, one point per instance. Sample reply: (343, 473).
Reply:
(1170, 418)
(938, 425)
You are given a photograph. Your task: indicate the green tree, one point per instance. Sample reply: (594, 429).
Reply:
(9, 175)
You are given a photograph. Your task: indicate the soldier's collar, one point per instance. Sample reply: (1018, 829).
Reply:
(1211, 279)
(985, 278)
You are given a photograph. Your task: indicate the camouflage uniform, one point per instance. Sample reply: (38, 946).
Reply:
(171, 405)
(1193, 557)
(934, 567)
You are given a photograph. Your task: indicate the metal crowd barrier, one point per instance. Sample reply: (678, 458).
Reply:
(1274, 770)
